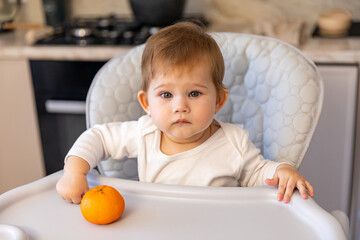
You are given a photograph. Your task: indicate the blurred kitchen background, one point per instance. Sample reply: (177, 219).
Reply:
(51, 49)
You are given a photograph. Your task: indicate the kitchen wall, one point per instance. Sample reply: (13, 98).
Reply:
(219, 11)
(86, 7)
(31, 11)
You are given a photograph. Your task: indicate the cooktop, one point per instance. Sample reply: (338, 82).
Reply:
(107, 30)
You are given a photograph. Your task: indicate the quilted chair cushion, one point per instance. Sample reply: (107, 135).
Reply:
(275, 93)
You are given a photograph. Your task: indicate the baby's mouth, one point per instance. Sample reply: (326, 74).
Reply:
(181, 121)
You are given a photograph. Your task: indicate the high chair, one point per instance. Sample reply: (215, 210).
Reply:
(275, 93)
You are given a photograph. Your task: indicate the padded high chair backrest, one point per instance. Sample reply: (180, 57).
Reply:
(275, 93)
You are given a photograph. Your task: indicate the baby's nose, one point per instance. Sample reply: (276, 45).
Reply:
(180, 104)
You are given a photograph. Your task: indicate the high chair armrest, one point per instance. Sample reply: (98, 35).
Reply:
(343, 219)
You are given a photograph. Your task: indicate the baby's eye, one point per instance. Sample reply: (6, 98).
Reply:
(166, 95)
(194, 94)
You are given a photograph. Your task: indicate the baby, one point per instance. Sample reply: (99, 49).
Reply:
(179, 141)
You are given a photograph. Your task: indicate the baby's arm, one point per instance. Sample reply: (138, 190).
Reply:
(73, 184)
(287, 177)
(113, 140)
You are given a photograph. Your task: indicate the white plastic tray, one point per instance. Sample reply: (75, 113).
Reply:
(155, 211)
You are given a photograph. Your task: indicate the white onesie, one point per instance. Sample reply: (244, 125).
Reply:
(227, 158)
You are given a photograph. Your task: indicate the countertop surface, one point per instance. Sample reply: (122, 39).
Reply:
(13, 46)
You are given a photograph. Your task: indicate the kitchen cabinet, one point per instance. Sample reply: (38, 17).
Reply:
(329, 162)
(20, 151)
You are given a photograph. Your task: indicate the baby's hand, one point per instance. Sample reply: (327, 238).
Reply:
(72, 186)
(287, 177)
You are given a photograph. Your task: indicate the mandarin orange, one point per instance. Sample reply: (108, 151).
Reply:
(102, 205)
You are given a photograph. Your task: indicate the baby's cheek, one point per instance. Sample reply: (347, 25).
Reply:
(160, 122)
(206, 117)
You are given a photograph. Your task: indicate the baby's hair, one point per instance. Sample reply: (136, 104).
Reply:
(183, 44)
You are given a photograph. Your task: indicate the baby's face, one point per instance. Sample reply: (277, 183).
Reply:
(183, 101)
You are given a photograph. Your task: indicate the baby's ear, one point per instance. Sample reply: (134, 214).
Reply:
(221, 99)
(142, 98)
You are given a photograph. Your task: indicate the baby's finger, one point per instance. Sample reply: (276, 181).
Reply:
(310, 188)
(76, 199)
(281, 189)
(302, 189)
(69, 200)
(289, 191)
(62, 196)
(271, 181)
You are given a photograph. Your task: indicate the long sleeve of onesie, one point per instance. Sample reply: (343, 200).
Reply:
(115, 140)
(255, 168)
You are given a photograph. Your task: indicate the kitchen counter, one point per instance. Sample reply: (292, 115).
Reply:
(13, 46)
(333, 50)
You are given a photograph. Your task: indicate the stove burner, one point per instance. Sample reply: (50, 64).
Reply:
(81, 32)
(109, 30)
